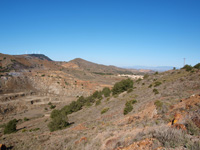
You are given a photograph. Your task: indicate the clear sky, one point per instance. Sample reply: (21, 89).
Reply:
(111, 32)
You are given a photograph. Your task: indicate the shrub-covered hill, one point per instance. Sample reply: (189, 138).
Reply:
(160, 111)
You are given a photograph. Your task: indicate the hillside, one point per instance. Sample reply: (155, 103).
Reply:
(101, 69)
(162, 113)
(38, 72)
(35, 78)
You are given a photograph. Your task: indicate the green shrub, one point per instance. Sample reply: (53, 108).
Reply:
(134, 101)
(128, 107)
(36, 129)
(104, 110)
(74, 106)
(170, 137)
(138, 80)
(157, 83)
(95, 94)
(130, 90)
(158, 104)
(59, 121)
(106, 92)
(161, 107)
(187, 67)
(24, 130)
(10, 127)
(52, 106)
(122, 86)
(145, 76)
(156, 73)
(155, 91)
(150, 86)
(26, 119)
(197, 66)
(192, 128)
(194, 145)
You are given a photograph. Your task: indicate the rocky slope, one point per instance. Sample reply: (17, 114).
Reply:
(165, 116)
(36, 73)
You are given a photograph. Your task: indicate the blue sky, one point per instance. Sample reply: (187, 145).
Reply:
(111, 32)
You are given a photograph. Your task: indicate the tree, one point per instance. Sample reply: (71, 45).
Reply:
(128, 107)
(55, 113)
(187, 67)
(197, 66)
(106, 92)
(10, 127)
(59, 120)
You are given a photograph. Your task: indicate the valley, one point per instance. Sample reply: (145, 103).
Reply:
(152, 111)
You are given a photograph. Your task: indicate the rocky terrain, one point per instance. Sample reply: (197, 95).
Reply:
(164, 115)
(50, 81)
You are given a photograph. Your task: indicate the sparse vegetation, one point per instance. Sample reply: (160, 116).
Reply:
(170, 137)
(52, 106)
(157, 83)
(98, 102)
(145, 76)
(26, 119)
(130, 90)
(35, 129)
(101, 73)
(138, 80)
(104, 110)
(192, 128)
(155, 91)
(2, 125)
(161, 107)
(128, 106)
(158, 104)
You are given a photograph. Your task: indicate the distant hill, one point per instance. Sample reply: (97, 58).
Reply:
(157, 68)
(40, 56)
(40, 61)
(28, 61)
(99, 68)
